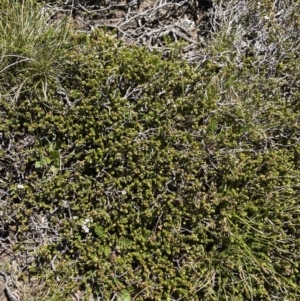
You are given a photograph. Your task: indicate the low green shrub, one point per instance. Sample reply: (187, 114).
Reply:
(153, 179)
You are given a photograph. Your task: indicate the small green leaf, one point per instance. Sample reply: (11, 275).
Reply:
(38, 164)
(99, 231)
(46, 161)
(123, 243)
(125, 296)
(55, 154)
(106, 251)
(57, 163)
(53, 169)
(49, 148)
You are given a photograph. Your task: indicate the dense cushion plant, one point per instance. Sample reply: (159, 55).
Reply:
(138, 177)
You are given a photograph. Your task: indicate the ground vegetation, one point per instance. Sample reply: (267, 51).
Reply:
(156, 161)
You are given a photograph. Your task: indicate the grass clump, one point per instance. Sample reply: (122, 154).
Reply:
(30, 48)
(142, 178)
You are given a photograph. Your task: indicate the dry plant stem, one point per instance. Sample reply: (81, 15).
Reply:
(11, 296)
(147, 25)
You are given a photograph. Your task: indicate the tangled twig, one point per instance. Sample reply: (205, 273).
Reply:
(11, 296)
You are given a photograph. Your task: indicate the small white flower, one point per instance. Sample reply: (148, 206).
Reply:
(85, 229)
(84, 226)
(123, 192)
(20, 186)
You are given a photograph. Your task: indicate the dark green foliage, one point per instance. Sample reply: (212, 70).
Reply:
(160, 187)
